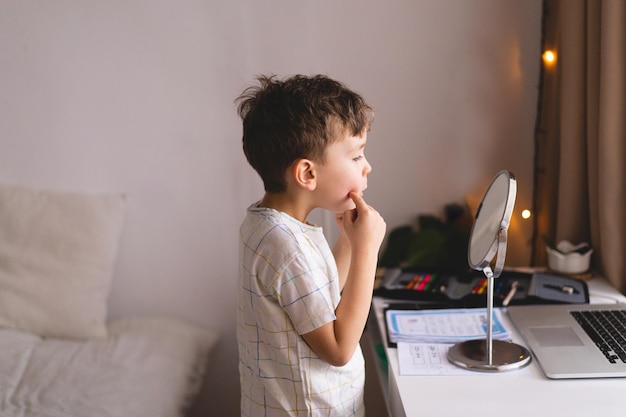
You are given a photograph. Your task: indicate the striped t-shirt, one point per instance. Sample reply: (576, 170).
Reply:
(288, 286)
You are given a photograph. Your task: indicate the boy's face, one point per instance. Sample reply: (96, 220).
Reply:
(345, 170)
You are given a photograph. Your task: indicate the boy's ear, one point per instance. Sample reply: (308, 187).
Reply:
(304, 173)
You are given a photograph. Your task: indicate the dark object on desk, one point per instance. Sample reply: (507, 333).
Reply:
(447, 288)
(432, 242)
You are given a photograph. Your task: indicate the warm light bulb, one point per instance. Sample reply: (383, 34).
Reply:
(526, 214)
(549, 57)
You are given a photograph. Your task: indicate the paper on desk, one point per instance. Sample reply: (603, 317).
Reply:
(427, 359)
(443, 326)
(431, 359)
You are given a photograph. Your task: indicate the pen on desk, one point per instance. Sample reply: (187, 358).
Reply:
(511, 293)
(483, 286)
(480, 287)
(422, 284)
(413, 282)
(567, 289)
(432, 280)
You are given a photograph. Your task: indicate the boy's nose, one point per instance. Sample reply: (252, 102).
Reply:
(367, 168)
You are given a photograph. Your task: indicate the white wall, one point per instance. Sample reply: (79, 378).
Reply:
(137, 96)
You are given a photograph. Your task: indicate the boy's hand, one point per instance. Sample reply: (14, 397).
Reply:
(364, 226)
(339, 220)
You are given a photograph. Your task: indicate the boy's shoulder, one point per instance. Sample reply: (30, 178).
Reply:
(271, 227)
(261, 217)
(268, 217)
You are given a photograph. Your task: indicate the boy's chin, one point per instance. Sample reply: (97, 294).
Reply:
(342, 205)
(348, 205)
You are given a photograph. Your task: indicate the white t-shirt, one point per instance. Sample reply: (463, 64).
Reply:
(288, 286)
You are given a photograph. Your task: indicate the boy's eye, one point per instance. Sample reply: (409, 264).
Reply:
(358, 158)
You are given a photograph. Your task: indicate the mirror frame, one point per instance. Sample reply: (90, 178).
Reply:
(499, 225)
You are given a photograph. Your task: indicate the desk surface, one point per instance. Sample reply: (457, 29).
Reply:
(525, 392)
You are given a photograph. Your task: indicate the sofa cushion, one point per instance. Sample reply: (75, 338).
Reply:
(57, 254)
(146, 367)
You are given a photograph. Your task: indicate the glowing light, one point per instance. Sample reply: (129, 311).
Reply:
(526, 214)
(549, 57)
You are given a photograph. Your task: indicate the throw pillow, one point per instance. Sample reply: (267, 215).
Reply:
(57, 255)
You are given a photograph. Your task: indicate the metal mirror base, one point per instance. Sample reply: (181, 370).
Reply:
(473, 355)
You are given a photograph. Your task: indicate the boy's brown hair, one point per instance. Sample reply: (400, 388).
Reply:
(298, 117)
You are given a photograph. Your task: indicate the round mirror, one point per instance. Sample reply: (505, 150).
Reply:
(491, 223)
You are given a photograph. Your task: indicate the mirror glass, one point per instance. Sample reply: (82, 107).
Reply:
(492, 219)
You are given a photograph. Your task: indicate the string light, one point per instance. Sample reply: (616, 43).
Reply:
(526, 214)
(549, 57)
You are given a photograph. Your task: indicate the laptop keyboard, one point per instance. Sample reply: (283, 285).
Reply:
(607, 328)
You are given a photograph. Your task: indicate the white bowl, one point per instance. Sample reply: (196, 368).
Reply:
(569, 262)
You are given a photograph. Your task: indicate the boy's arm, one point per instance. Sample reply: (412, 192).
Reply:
(336, 341)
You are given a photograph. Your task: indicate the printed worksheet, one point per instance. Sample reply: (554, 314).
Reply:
(427, 359)
(431, 359)
(442, 326)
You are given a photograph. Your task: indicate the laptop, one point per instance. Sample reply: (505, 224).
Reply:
(561, 338)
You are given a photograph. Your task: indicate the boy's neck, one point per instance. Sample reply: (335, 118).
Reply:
(285, 203)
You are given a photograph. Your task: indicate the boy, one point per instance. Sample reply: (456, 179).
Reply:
(302, 308)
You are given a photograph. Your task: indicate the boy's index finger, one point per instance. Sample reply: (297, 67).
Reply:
(361, 205)
(358, 200)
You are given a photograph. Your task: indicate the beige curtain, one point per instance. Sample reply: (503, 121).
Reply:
(580, 137)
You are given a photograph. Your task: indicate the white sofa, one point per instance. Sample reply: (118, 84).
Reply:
(59, 357)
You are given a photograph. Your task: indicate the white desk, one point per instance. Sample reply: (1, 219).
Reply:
(525, 392)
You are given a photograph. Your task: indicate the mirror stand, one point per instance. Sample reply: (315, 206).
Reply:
(489, 355)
